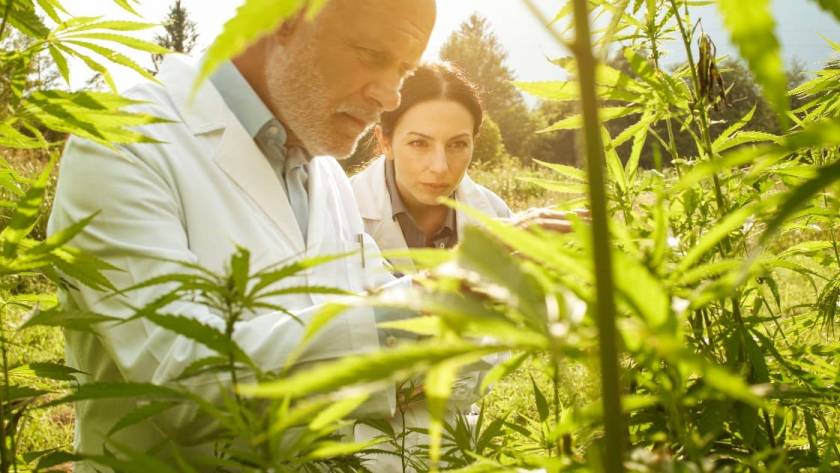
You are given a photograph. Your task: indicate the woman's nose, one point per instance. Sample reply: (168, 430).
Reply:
(439, 164)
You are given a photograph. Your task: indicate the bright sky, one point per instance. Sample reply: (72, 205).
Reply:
(528, 45)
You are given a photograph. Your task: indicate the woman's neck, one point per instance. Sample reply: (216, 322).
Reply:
(429, 218)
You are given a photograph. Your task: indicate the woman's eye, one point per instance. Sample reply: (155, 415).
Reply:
(417, 143)
(459, 145)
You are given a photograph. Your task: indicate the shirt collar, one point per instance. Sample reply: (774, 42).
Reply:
(241, 98)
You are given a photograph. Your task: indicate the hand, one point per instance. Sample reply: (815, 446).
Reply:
(547, 219)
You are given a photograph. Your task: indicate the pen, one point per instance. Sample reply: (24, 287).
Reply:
(362, 247)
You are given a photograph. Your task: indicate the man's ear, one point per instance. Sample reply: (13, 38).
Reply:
(288, 28)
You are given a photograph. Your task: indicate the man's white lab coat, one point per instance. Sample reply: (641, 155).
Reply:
(199, 194)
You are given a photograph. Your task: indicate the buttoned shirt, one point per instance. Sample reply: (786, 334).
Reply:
(289, 163)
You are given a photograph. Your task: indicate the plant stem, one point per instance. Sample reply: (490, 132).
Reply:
(703, 119)
(604, 302)
(6, 13)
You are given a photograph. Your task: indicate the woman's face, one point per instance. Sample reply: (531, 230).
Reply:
(431, 146)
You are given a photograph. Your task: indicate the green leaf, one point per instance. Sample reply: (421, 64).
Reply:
(69, 319)
(556, 186)
(52, 371)
(127, 41)
(721, 230)
(539, 399)
(570, 172)
(115, 57)
(327, 450)
(27, 212)
(141, 413)
(337, 411)
(615, 168)
(437, 389)
(831, 6)
(126, 5)
(200, 332)
(576, 121)
(501, 370)
(253, 19)
(752, 30)
(60, 62)
(366, 368)
(799, 196)
(92, 391)
(727, 134)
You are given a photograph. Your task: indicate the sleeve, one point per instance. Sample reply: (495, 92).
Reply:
(139, 226)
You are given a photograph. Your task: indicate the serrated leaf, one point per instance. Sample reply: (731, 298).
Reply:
(200, 332)
(831, 6)
(566, 171)
(69, 319)
(752, 31)
(539, 399)
(367, 368)
(92, 391)
(139, 414)
(501, 370)
(576, 121)
(336, 411)
(46, 370)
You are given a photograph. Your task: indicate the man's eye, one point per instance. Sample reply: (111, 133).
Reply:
(369, 55)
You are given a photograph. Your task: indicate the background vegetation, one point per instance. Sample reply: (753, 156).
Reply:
(725, 251)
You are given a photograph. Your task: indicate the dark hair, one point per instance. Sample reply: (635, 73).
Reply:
(435, 81)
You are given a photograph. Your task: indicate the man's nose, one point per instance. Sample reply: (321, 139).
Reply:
(385, 91)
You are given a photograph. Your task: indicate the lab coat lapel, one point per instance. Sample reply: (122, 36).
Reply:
(469, 194)
(243, 161)
(236, 154)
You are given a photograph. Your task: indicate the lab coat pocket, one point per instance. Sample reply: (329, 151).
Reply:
(366, 268)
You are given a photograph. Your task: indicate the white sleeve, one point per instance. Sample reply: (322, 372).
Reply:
(139, 224)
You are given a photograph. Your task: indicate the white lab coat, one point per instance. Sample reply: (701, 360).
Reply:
(377, 212)
(196, 196)
(375, 206)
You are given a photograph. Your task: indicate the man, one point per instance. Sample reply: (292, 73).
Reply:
(236, 169)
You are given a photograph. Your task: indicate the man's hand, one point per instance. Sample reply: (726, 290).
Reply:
(554, 220)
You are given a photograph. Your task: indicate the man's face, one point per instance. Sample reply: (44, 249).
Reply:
(329, 79)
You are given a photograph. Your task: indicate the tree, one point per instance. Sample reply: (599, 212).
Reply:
(554, 146)
(475, 49)
(181, 33)
(488, 144)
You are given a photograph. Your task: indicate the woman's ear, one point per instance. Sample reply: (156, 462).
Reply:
(384, 144)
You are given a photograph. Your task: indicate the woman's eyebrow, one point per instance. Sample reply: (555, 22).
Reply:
(462, 135)
(420, 135)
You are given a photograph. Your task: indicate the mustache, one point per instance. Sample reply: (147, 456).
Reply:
(365, 114)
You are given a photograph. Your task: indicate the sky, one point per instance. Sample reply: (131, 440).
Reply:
(800, 24)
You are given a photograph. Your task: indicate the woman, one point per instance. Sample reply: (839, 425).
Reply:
(427, 144)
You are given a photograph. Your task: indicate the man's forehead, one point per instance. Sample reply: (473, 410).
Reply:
(409, 18)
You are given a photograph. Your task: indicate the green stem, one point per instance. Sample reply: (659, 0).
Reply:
(8, 457)
(700, 107)
(604, 302)
(6, 13)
